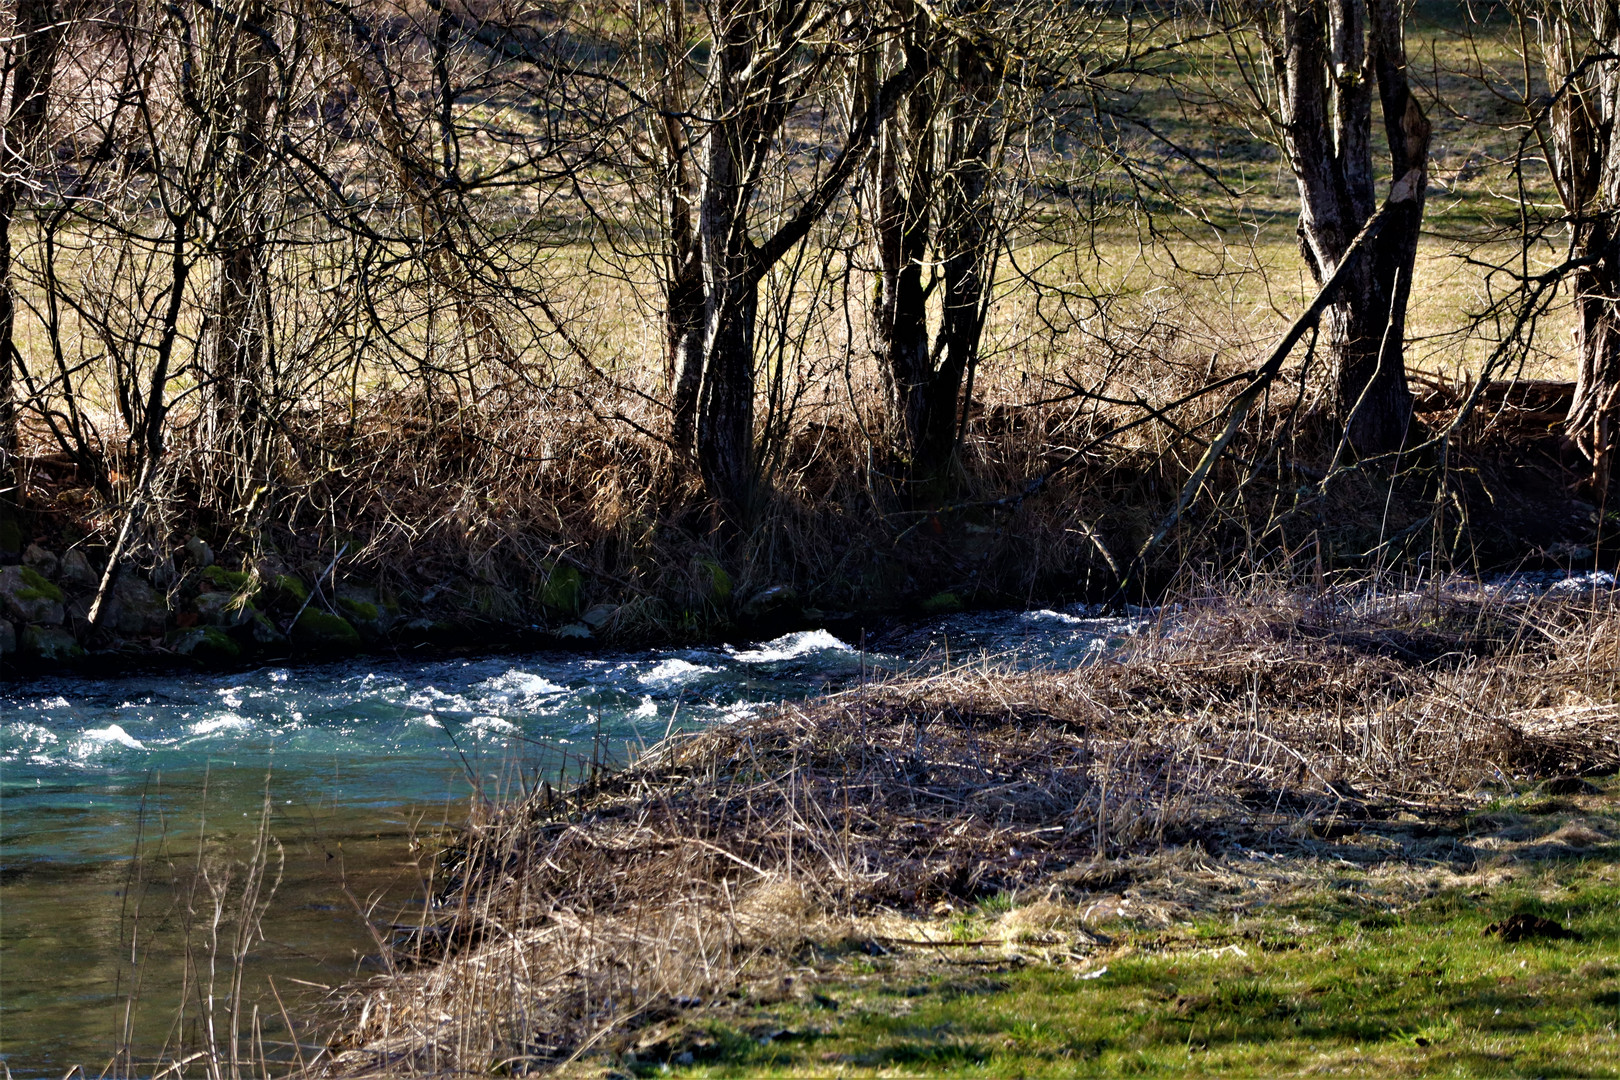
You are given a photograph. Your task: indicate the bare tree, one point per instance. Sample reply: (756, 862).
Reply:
(1579, 42)
(32, 37)
(1322, 61)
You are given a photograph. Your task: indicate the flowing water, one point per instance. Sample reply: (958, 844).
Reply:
(130, 806)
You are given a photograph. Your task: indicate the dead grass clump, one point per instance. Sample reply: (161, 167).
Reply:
(578, 918)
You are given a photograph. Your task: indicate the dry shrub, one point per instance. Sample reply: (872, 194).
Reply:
(574, 919)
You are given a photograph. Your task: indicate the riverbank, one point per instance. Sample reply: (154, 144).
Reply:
(837, 562)
(1345, 755)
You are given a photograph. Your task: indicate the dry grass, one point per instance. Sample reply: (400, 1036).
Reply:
(569, 922)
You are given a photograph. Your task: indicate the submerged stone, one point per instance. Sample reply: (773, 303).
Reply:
(29, 597)
(323, 630)
(51, 644)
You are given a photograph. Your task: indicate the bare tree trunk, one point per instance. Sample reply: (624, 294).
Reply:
(240, 310)
(967, 246)
(932, 188)
(36, 31)
(1581, 39)
(684, 315)
(1330, 56)
(902, 185)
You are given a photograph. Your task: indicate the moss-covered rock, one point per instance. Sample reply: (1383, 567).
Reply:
(367, 612)
(286, 593)
(231, 581)
(209, 644)
(225, 609)
(29, 597)
(321, 630)
(49, 644)
(941, 603)
(261, 631)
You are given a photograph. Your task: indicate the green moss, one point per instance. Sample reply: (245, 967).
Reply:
(208, 643)
(51, 644)
(288, 592)
(234, 581)
(719, 581)
(561, 592)
(359, 610)
(322, 630)
(942, 603)
(37, 587)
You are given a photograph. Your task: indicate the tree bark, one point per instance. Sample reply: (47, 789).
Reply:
(37, 29)
(1331, 55)
(234, 350)
(931, 183)
(1586, 107)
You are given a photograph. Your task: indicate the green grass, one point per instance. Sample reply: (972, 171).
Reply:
(1366, 968)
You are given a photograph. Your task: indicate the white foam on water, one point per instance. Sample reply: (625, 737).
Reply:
(113, 733)
(646, 710)
(223, 722)
(432, 698)
(1048, 615)
(492, 723)
(791, 647)
(53, 703)
(672, 672)
(523, 683)
(231, 696)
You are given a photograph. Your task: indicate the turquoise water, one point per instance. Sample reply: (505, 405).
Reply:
(127, 802)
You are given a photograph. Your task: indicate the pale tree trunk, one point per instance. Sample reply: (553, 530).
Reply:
(33, 39)
(684, 315)
(1581, 39)
(1328, 59)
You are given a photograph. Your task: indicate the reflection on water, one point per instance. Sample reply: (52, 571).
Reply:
(354, 758)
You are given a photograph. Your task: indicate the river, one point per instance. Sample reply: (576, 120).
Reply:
(130, 807)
